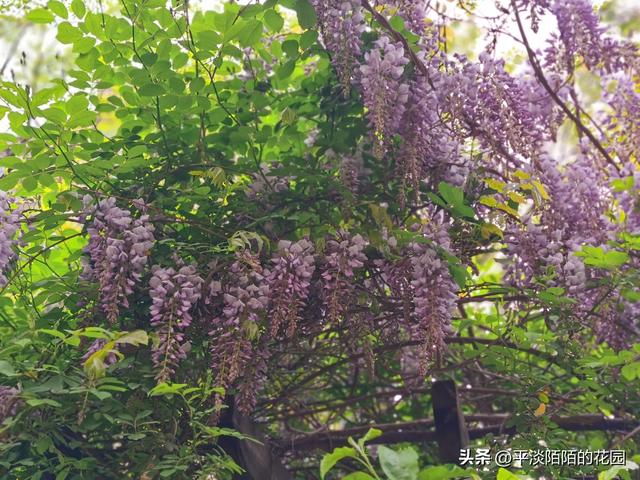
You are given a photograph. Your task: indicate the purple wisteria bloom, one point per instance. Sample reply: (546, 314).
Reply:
(289, 281)
(10, 219)
(385, 94)
(173, 294)
(118, 250)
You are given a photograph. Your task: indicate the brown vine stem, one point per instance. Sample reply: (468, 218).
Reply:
(318, 407)
(419, 64)
(537, 69)
(534, 63)
(34, 257)
(387, 348)
(165, 217)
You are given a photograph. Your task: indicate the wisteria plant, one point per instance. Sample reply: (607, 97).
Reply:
(285, 219)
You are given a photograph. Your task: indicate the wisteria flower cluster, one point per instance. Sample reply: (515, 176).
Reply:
(344, 255)
(237, 326)
(342, 22)
(118, 251)
(97, 345)
(10, 402)
(173, 294)
(414, 12)
(289, 281)
(385, 94)
(434, 296)
(10, 221)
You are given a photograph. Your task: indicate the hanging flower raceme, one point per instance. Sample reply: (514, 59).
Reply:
(253, 378)
(352, 171)
(344, 255)
(342, 24)
(397, 277)
(413, 12)
(10, 219)
(616, 322)
(546, 247)
(501, 110)
(579, 201)
(575, 215)
(173, 294)
(580, 31)
(535, 8)
(245, 300)
(434, 297)
(118, 250)
(429, 151)
(581, 35)
(622, 120)
(10, 402)
(385, 94)
(288, 281)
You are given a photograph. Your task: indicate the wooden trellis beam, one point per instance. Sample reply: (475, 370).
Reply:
(423, 431)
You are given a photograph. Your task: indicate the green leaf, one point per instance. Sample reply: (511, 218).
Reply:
(397, 22)
(504, 474)
(36, 402)
(63, 474)
(7, 369)
(151, 90)
(290, 48)
(81, 118)
(358, 476)
(167, 389)
(459, 273)
(370, 435)
(78, 8)
(93, 332)
(55, 115)
(40, 15)
(597, 257)
(439, 472)
(444, 472)
(631, 295)
(43, 444)
(136, 338)
(54, 333)
(286, 70)
(100, 395)
(614, 472)
(454, 199)
(307, 17)
(399, 464)
(29, 183)
(58, 8)
(452, 195)
(67, 33)
(251, 33)
(330, 459)
(273, 20)
(308, 38)
(631, 371)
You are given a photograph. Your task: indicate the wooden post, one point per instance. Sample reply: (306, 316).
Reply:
(451, 429)
(255, 456)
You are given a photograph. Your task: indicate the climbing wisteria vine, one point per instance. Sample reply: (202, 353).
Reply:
(341, 201)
